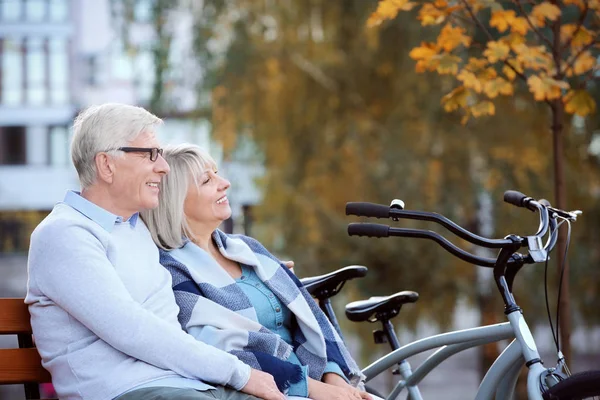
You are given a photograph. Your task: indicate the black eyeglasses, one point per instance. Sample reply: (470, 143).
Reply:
(154, 151)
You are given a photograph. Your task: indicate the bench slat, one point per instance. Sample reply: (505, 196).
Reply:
(20, 366)
(14, 317)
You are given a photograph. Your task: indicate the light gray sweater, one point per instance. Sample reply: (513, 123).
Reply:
(103, 312)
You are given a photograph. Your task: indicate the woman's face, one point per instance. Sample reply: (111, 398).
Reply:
(206, 201)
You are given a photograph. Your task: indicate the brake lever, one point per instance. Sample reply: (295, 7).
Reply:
(570, 215)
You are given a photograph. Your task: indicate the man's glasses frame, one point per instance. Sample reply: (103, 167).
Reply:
(154, 151)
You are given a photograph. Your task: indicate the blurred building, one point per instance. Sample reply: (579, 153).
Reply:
(58, 56)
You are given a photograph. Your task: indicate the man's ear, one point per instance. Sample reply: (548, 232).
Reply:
(105, 167)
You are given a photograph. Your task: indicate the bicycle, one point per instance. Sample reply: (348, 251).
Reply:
(554, 383)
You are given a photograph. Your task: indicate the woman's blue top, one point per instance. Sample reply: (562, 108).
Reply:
(275, 316)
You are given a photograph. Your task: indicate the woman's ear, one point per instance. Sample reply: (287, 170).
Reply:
(105, 167)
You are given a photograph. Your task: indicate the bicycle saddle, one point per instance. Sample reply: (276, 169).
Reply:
(380, 307)
(328, 285)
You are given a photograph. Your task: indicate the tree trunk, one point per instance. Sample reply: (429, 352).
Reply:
(560, 201)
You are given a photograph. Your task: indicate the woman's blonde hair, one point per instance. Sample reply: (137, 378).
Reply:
(167, 222)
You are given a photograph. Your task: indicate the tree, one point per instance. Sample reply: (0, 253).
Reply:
(490, 47)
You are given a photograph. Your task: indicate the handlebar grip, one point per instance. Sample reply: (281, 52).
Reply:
(370, 230)
(514, 197)
(368, 210)
(519, 199)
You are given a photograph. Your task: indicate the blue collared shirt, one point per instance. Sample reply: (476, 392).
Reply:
(99, 215)
(274, 315)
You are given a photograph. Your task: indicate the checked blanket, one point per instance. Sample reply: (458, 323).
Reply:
(216, 311)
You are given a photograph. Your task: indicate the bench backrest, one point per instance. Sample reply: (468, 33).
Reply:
(23, 364)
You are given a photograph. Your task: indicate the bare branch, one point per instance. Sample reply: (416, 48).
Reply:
(533, 27)
(461, 19)
(580, 22)
(476, 20)
(556, 50)
(489, 36)
(591, 75)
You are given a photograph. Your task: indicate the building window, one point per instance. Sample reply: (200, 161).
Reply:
(59, 71)
(11, 10)
(35, 10)
(58, 146)
(36, 68)
(58, 10)
(12, 72)
(12, 145)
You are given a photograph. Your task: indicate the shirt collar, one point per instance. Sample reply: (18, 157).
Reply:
(99, 215)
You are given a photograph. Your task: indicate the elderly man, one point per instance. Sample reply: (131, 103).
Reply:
(102, 309)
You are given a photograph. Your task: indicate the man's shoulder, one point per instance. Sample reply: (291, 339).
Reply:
(64, 222)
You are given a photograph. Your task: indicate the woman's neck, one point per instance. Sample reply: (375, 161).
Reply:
(201, 236)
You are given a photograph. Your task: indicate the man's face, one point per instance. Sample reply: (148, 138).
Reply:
(136, 177)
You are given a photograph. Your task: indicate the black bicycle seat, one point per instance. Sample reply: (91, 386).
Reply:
(379, 308)
(328, 285)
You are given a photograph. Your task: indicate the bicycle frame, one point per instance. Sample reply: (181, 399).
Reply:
(500, 379)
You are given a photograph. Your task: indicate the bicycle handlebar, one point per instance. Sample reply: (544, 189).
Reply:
(363, 209)
(508, 261)
(537, 251)
(380, 230)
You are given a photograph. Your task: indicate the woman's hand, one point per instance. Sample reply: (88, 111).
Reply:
(324, 391)
(262, 385)
(335, 380)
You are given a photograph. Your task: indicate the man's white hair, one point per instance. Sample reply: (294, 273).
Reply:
(104, 128)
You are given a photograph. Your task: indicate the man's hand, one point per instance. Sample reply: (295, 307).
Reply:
(323, 391)
(262, 385)
(289, 264)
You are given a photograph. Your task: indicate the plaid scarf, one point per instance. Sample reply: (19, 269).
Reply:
(216, 311)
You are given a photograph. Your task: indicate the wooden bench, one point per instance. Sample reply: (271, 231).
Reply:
(21, 365)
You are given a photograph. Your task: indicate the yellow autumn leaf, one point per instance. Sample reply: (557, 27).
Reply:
(543, 11)
(513, 39)
(483, 108)
(579, 37)
(496, 51)
(501, 20)
(470, 80)
(579, 102)
(388, 9)
(584, 62)
(456, 99)
(451, 37)
(534, 57)
(519, 25)
(424, 55)
(431, 15)
(493, 87)
(487, 74)
(511, 73)
(447, 64)
(476, 64)
(544, 87)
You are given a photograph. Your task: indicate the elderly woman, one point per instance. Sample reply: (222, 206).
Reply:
(235, 295)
